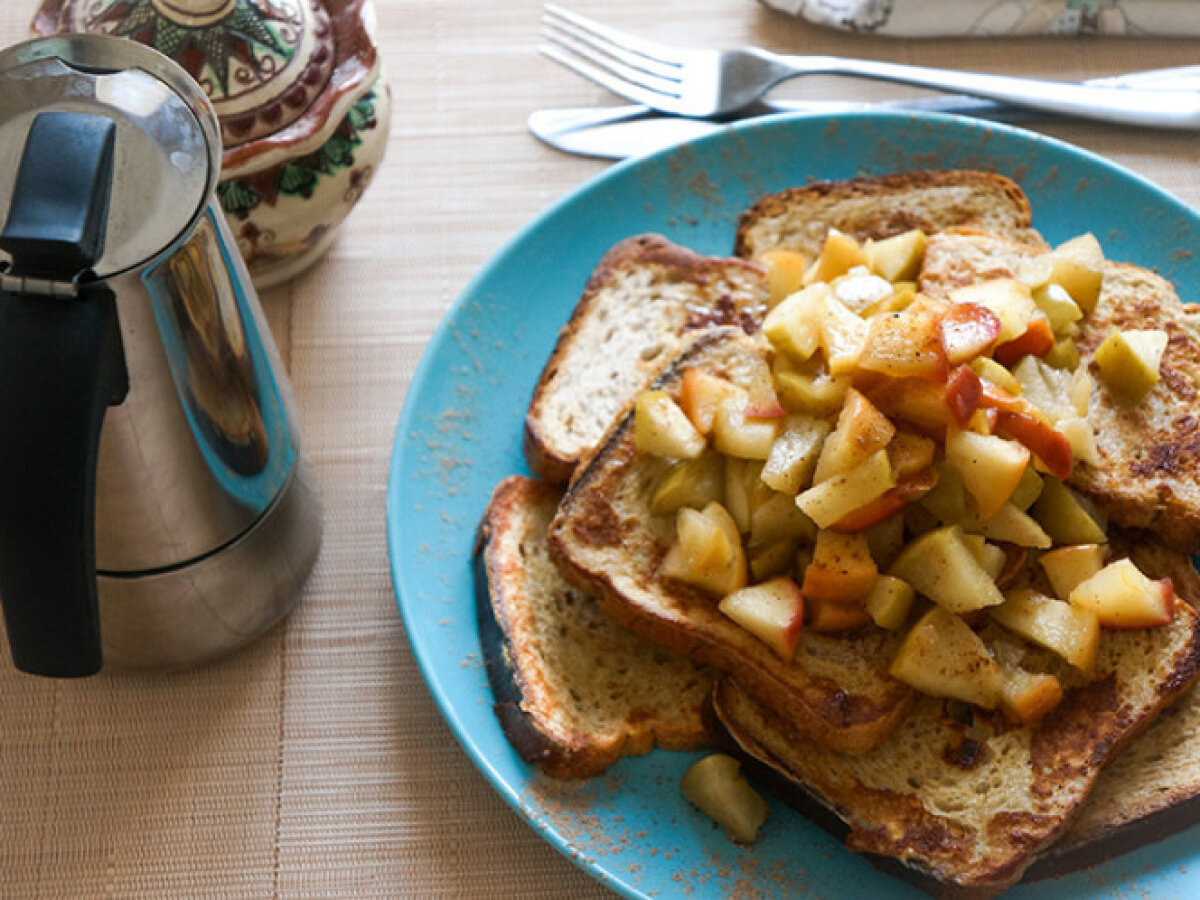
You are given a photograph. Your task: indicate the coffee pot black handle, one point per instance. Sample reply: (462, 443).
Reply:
(61, 366)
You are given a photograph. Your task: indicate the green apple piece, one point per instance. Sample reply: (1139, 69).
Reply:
(1128, 361)
(715, 786)
(778, 518)
(794, 455)
(897, 258)
(661, 428)
(1077, 266)
(769, 560)
(1063, 628)
(889, 601)
(947, 502)
(1011, 525)
(1027, 490)
(794, 326)
(693, 482)
(940, 565)
(1060, 309)
(941, 656)
(1067, 516)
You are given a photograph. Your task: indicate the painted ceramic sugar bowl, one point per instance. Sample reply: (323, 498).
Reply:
(299, 90)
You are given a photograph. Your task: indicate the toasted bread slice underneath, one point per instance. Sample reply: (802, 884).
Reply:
(574, 691)
(1152, 788)
(642, 299)
(605, 540)
(968, 809)
(1149, 475)
(799, 218)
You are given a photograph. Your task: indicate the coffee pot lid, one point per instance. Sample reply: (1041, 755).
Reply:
(167, 147)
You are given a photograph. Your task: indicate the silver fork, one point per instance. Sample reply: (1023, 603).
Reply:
(708, 84)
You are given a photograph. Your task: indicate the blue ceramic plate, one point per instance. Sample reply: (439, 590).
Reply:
(460, 433)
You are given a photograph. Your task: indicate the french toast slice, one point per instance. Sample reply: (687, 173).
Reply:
(605, 540)
(641, 300)
(574, 691)
(964, 804)
(799, 218)
(1151, 788)
(1149, 471)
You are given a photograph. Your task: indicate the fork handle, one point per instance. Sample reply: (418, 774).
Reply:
(1128, 106)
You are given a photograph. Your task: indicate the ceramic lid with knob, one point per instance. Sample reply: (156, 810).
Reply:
(166, 161)
(272, 69)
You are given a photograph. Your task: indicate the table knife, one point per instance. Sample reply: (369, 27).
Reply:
(617, 132)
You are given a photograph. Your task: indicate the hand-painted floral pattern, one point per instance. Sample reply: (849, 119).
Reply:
(996, 18)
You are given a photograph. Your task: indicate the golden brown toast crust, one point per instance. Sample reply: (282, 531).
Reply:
(929, 824)
(574, 691)
(604, 540)
(641, 300)
(1149, 475)
(879, 207)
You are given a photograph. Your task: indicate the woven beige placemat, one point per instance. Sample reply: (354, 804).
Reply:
(315, 762)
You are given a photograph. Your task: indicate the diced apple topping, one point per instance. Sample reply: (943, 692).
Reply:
(842, 569)
(889, 601)
(736, 433)
(785, 273)
(715, 786)
(1067, 516)
(772, 611)
(794, 326)
(662, 429)
(940, 566)
(693, 482)
(839, 254)
(891, 449)
(1071, 631)
(862, 430)
(707, 552)
(701, 393)
(833, 499)
(1068, 567)
(793, 457)
(1122, 597)
(991, 467)
(897, 258)
(1008, 299)
(1129, 361)
(941, 656)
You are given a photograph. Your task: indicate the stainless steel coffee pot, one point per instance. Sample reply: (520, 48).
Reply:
(155, 509)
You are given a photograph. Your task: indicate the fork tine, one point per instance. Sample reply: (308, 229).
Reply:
(605, 77)
(651, 51)
(614, 67)
(603, 40)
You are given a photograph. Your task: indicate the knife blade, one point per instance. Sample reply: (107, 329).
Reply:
(618, 132)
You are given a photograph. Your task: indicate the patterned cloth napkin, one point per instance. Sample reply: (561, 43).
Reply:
(995, 18)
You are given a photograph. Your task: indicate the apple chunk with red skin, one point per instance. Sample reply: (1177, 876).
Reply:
(968, 330)
(964, 389)
(772, 611)
(906, 344)
(1121, 596)
(1047, 444)
(861, 431)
